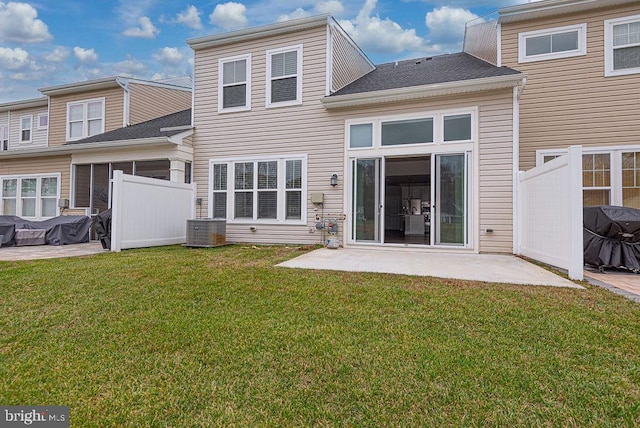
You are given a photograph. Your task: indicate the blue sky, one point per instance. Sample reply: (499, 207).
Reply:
(45, 42)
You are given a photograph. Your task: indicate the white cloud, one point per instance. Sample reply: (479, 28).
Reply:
(169, 56)
(129, 67)
(130, 11)
(85, 56)
(146, 30)
(59, 54)
(446, 24)
(18, 24)
(190, 17)
(298, 13)
(229, 16)
(14, 59)
(333, 7)
(375, 34)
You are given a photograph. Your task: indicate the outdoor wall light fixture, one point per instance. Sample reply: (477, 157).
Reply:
(334, 180)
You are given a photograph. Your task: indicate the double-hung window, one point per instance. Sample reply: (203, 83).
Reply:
(4, 137)
(30, 196)
(268, 190)
(85, 119)
(622, 46)
(552, 43)
(284, 76)
(26, 123)
(234, 84)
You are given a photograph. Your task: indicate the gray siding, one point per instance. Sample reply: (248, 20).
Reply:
(348, 63)
(38, 137)
(147, 102)
(481, 41)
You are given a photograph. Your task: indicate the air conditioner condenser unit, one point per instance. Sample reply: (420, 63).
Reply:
(206, 233)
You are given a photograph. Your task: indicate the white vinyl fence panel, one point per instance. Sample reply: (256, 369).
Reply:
(147, 212)
(550, 213)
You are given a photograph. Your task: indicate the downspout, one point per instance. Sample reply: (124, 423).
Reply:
(517, 94)
(125, 108)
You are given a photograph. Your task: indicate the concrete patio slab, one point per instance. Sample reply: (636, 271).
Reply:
(8, 254)
(475, 267)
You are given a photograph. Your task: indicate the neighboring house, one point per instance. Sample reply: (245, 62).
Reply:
(66, 145)
(295, 126)
(582, 59)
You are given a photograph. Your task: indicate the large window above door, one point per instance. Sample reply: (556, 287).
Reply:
(412, 130)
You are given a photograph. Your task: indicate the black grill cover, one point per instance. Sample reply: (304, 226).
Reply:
(102, 226)
(612, 237)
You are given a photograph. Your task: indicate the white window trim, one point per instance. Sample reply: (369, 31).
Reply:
(30, 117)
(85, 121)
(348, 125)
(281, 216)
(38, 196)
(608, 47)
(247, 105)
(298, 99)
(438, 130)
(40, 128)
(582, 43)
(4, 137)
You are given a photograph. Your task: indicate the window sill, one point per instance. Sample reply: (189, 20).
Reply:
(284, 104)
(623, 72)
(247, 222)
(233, 110)
(548, 57)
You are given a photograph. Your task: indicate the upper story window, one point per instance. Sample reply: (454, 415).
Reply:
(284, 76)
(85, 118)
(26, 122)
(552, 43)
(43, 121)
(234, 84)
(622, 46)
(4, 138)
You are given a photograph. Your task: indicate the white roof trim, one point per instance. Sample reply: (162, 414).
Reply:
(106, 83)
(424, 91)
(541, 9)
(258, 32)
(23, 104)
(85, 147)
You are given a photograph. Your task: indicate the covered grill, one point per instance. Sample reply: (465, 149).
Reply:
(612, 237)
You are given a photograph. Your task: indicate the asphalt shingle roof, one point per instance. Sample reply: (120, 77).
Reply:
(425, 71)
(149, 129)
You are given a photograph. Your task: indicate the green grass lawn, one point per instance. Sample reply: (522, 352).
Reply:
(221, 337)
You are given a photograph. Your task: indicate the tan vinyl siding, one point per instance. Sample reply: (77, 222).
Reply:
(114, 106)
(38, 137)
(302, 129)
(310, 129)
(495, 157)
(41, 165)
(348, 63)
(569, 101)
(148, 102)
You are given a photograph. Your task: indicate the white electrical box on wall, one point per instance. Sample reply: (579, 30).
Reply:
(317, 198)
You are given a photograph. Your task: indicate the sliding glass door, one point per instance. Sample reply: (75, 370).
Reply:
(366, 207)
(451, 196)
